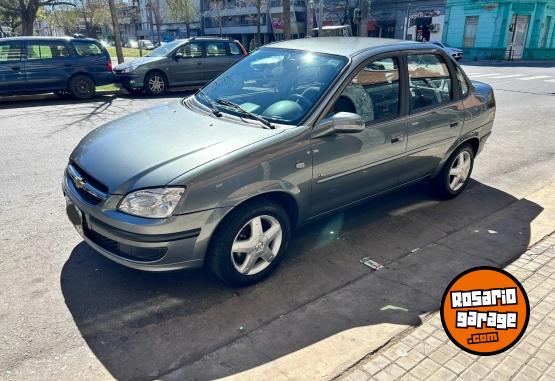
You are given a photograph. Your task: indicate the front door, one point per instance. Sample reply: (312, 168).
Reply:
(435, 114)
(12, 68)
(348, 167)
(517, 36)
(48, 65)
(186, 66)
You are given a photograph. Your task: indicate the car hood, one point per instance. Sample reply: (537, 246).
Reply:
(137, 62)
(152, 147)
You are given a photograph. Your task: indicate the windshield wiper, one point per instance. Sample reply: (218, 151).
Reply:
(245, 112)
(211, 104)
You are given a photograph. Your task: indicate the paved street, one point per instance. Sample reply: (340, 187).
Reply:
(425, 353)
(68, 313)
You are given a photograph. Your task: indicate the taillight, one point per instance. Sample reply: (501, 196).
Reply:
(109, 64)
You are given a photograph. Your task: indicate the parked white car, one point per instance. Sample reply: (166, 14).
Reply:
(453, 52)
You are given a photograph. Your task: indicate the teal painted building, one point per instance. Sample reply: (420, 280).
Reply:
(503, 29)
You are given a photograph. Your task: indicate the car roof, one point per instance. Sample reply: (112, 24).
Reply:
(345, 46)
(49, 38)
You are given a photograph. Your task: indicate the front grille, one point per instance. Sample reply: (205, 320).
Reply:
(146, 254)
(93, 192)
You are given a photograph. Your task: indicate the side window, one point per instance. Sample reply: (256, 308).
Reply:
(215, 49)
(234, 49)
(46, 51)
(87, 49)
(10, 51)
(463, 84)
(373, 93)
(190, 50)
(429, 81)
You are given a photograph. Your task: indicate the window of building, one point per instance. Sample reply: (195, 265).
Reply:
(546, 30)
(470, 29)
(373, 93)
(215, 49)
(10, 51)
(85, 48)
(234, 49)
(429, 81)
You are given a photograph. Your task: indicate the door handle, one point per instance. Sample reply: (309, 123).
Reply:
(67, 64)
(397, 139)
(199, 63)
(16, 68)
(453, 124)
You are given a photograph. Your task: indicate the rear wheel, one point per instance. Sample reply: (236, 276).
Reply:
(155, 83)
(455, 174)
(250, 243)
(82, 87)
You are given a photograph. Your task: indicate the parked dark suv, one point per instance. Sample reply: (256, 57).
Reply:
(63, 65)
(190, 62)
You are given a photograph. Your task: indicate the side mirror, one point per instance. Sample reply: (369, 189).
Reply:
(346, 122)
(342, 122)
(178, 55)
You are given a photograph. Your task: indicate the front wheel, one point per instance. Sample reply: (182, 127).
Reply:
(455, 174)
(155, 83)
(82, 87)
(250, 243)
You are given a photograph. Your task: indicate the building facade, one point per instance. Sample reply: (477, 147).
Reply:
(503, 29)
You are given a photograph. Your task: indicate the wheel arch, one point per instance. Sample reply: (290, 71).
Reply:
(473, 140)
(156, 70)
(79, 73)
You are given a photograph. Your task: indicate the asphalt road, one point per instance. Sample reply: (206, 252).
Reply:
(66, 312)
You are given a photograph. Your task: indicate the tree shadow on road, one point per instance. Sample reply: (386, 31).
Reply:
(145, 325)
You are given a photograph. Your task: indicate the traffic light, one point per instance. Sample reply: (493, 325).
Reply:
(356, 16)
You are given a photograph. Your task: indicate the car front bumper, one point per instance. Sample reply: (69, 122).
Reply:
(129, 81)
(174, 243)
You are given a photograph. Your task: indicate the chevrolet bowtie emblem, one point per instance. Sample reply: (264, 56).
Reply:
(79, 183)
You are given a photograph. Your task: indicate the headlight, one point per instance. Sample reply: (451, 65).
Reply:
(129, 69)
(151, 203)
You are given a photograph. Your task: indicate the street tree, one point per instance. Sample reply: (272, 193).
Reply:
(157, 17)
(286, 19)
(28, 9)
(259, 4)
(183, 11)
(115, 28)
(10, 17)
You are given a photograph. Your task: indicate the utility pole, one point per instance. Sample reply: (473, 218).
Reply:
(286, 19)
(363, 23)
(115, 25)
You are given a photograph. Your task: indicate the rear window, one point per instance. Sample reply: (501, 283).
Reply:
(87, 49)
(234, 49)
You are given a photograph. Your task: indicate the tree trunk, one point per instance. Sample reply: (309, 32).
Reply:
(28, 16)
(258, 36)
(117, 37)
(286, 20)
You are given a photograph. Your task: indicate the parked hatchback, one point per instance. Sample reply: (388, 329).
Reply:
(295, 131)
(190, 62)
(457, 54)
(63, 65)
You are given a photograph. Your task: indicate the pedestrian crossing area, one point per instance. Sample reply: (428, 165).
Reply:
(519, 77)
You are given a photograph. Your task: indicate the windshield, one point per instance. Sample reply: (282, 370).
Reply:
(279, 85)
(163, 50)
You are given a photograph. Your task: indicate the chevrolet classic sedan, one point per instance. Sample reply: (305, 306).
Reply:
(293, 132)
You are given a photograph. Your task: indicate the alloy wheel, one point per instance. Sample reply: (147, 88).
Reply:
(156, 84)
(256, 245)
(460, 169)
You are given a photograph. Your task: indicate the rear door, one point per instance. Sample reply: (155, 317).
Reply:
(48, 65)
(186, 66)
(218, 58)
(436, 113)
(12, 67)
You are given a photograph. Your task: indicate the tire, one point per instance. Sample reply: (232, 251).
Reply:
(82, 87)
(448, 184)
(62, 94)
(155, 83)
(263, 252)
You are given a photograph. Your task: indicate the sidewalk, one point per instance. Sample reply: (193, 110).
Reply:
(425, 352)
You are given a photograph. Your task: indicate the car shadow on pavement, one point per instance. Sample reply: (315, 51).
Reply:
(146, 325)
